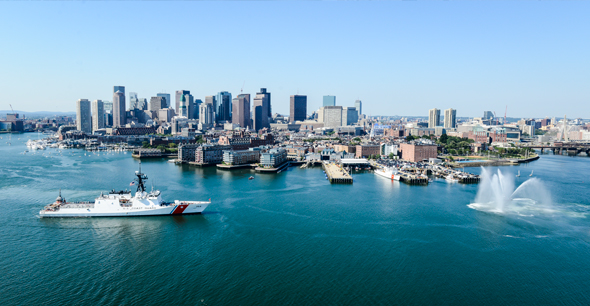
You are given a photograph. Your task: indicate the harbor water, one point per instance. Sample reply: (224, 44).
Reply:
(290, 238)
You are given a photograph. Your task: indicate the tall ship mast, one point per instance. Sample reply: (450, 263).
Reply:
(124, 204)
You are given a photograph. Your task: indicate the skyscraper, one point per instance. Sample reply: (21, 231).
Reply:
(450, 118)
(241, 110)
(350, 116)
(97, 115)
(331, 116)
(298, 109)
(167, 97)
(197, 104)
(213, 102)
(83, 117)
(119, 88)
(179, 94)
(119, 115)
(133, 101)
(260, 108)
(329, 101)
(488, 115)
(433, 118)
(359, 107)
(223, 111)
(206, 113)
(157, 103)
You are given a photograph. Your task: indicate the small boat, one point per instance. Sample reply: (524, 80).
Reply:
(518, 175)
(531, 173)
(251, 178)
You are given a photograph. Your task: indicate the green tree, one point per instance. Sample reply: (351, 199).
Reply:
(161, 147)
(357, 139)
(443, 138)
(391, 155)
(172, 145)
(410, 138)
(145, 144)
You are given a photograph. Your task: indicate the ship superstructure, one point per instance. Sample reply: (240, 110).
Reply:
(124, 204)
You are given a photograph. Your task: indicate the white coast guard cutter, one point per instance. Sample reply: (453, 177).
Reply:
(123, 204)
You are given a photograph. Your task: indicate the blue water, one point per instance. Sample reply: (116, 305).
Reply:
(287, 239)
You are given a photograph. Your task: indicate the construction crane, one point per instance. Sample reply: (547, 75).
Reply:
(505, 112)
(242, 90)
(11, 108)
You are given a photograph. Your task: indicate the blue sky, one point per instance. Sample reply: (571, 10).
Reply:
(399, 58)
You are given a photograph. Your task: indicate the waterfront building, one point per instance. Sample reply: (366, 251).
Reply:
(97, 115)
(166, 97)
(186, 152)
(418, 152)
(298, 108)
(450, 118)
(364, 151)
(119, 115)
(329, 101)
(433, 118)
(359, 107)
(241, 157)
(273, 158)
(83, 117)
(209, 154)
(223, 111)
(157, 103)
(260, 110)
(241, 111)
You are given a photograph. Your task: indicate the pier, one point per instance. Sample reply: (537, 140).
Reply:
(336, 174)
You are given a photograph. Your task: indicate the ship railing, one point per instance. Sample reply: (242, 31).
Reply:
(190, 202)
(78, 205)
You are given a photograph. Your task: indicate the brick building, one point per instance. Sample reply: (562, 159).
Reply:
(367, 150)
(418, 152)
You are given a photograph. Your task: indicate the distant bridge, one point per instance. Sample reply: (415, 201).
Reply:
(572, 148)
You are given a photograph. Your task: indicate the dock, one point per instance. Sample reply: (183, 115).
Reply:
(336, 174)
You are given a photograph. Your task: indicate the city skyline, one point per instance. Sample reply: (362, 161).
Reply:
(394, 57)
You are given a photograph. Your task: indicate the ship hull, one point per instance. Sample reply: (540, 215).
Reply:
(170, 210)
(389, 175)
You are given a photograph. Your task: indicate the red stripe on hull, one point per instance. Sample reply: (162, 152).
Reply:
(179, 209)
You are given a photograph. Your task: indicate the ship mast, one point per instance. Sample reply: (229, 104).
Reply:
(141, 178)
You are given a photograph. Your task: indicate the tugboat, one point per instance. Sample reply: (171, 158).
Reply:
(123, 204)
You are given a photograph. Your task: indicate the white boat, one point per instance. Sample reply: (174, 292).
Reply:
(124, 204)
(451, 179)
(531, 173)
(390, 173)
(518, 175)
